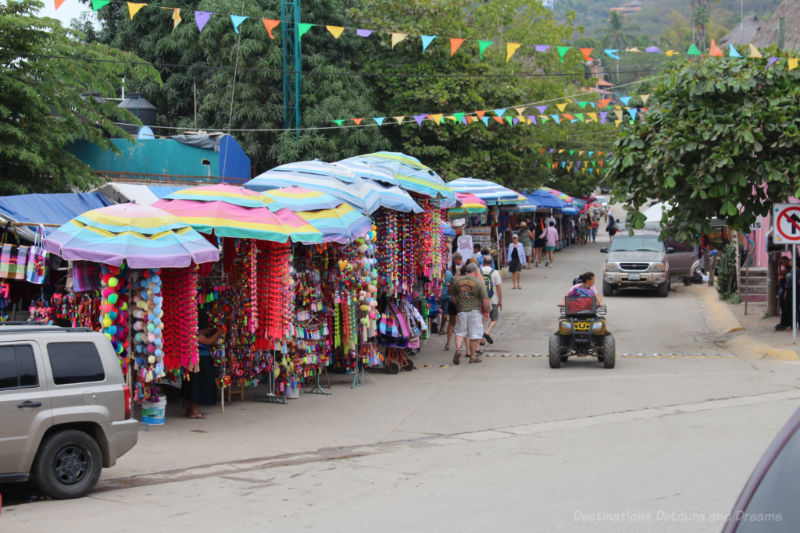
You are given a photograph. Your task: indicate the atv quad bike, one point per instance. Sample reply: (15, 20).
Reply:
(582, 331)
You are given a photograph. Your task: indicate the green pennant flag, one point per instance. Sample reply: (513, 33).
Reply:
(482, 46)
(563, 50)
(693, 51)
(579, 116)
(339, 122)
(510, 120)
(583, 104)
(459, 117)
(303, 28)
(571, 152)
(97, 4)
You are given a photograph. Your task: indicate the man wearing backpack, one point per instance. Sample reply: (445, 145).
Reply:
(493, 282)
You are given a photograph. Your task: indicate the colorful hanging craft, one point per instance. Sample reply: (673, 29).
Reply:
(179, 290)
(148, 326)
(114, 310)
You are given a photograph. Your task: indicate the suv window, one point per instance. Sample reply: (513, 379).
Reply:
(679, 246)
(17, 367)
(75, 362)
(636, 244)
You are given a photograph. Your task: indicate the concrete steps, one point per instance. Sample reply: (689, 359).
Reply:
(753, 284)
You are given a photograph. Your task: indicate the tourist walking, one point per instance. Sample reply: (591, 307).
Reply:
(595, 226)
(494, 288)
(470, 295)
(450, 307)
(515, 257)
(612, 228)
(526, 238)
(550, 236)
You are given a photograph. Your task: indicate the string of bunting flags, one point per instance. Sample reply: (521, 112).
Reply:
(201, 18)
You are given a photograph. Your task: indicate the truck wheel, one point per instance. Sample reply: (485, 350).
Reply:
(663, 289)
(68, 464)
(609, 351)
(608, 289)
(555, 351)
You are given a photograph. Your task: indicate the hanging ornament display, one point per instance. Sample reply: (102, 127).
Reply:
(213, 295)
(114, 310)
(245, 362)
(148, 326)
(179, 331)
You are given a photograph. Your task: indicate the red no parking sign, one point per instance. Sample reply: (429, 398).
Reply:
(787, 223)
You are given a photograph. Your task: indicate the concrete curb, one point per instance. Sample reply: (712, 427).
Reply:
(725, 323)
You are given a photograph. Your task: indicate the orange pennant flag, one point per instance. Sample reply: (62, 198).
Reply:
(714, 51)
(454, 45)
(358, 121)
(176, 17)
(59, 2)
(134, 7)
(498, 119)
(270, 24)
(480, 114)
(469, 119)
(602, 104)
(587, 53)
(568, 116)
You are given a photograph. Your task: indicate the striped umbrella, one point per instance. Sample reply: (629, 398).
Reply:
(222, 192)
(558, 194)
(409, 172)
(318, 168)
(355, 193)
(341, 224)
(144, 236)
(489, 192)
(393, 198)
(366, 170)
(468, 204)
(300, 199)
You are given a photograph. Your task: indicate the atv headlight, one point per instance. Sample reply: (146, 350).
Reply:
(565, 326)
(612, 267)
(657, 267)
(598, 325)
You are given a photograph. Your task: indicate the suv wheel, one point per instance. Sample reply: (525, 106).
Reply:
(608, 289)
(663, 289)
(68, 464)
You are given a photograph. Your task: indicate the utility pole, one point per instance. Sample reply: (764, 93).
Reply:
(292, 64)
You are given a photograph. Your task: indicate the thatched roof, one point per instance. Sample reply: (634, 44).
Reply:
(768, 34)
(744, 33)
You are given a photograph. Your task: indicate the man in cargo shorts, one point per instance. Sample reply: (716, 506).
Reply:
(469, 292)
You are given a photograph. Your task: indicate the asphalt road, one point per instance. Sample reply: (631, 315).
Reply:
(663, 442)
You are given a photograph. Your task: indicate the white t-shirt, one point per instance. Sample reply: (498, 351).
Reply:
(497, 280)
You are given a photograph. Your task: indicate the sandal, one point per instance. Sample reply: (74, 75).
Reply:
(488, 338)
(457, 357)
(476, 360)
(198, 416)
(446, 347)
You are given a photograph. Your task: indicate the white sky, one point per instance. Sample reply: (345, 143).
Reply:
(70, 9)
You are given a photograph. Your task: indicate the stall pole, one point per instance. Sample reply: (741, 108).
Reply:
(271, 397)
(318, 389)
(360, 378)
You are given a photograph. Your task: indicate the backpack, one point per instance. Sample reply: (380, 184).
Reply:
(487, 280)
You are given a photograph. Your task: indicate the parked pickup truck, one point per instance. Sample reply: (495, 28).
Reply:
(64, 407)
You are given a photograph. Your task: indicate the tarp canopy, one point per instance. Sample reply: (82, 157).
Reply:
(55, 208)
(544, 200)
(141, 194)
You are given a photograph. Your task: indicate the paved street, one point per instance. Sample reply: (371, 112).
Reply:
(663, 442)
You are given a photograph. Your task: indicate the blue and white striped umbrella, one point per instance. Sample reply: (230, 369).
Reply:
(393, 198)
(488, 191)
(319, 168)
(409, 172)
(366, 170)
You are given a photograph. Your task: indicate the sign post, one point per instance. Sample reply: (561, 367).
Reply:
(787, 231)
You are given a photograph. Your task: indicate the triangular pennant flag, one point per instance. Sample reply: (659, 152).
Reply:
(363, 33)
(591, 171)
(618, 112)
(562, 50)
(454, 45)
(754, 51)
(670, 53)
(542, 47)
(336, 31)
(358, 121)
(485, 121)
(563, 164)
(59, 2)
(612, 53)
(603, 115)
(582, 104)
(397, 37)
(653, 50)
(587, 53)
(625, 99)
(510, 120)
(303, 28)
(436, 118)
(499, 120)
(579, 116)
(480, 114)
(555, 164)
(544, 118)
(176, 17)
(470, 118)
(133, 8)
(237, 21)
(482, 46)
(602, 104)
(569, 117)
(500, 112)
(532, 120)
(459, 117)
(572, 152)
(693, 50)
(771, 61)
(594, 106)
(792, 63)
(339, 122)
(541, 109)
(420, 118)
(714, 50)
(634, 49)
(590, 154)
(201, 18)
(633, 111)
(556, 119)
(592, 117)
(520, 110)
(514, 121)
(97, 4)
(427, 40)
(451, 117)
(561, 107)
(379, 120)
(511, 48)
(270, 24)
(399, 119)
(644, 98)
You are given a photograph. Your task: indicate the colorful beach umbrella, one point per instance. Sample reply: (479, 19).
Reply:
(355, 193)
(488, 191)
(558, 194)
(341, 224)
(409, 172)
(143, 236)
(468, 203)
(366, 170)
(318, 168)
(222, 192)
(300, 199)
(544, 200)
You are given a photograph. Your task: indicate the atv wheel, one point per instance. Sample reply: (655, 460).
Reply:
(555, 351)
(609, 349)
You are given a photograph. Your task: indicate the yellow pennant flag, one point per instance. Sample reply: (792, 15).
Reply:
(754, 51)
(336, 31)
(644, 97)
(561, 106)
(176, 17)
(400, 119)
(436, 118)
(592, 116)
(671, 53)
(511, 48)
(134, 7)
(618, 112)
(398, 37)
(792, 61)
(519, 110)
(618, 122)
(634, 49)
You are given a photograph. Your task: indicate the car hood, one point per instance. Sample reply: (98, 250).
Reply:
(650, 257)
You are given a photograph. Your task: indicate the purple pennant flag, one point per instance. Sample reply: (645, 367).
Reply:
(201, 18)
(603, 115)
(363, 33)
(532, 118)
(541, 108)
(552, 150)
(652, 50)
(542, 47)
(535, 164)
(577, 164)
(420, 118)
(771, 61)
(516, 120)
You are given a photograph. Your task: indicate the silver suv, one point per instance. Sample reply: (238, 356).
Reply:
(64, 406)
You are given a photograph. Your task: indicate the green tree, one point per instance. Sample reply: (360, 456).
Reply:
(721, 138)
(46, 75)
